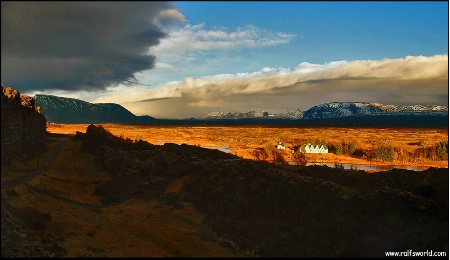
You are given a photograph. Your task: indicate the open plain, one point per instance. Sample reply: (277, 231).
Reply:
(242, 140)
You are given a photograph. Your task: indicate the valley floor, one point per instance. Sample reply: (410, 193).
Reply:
(242, 140)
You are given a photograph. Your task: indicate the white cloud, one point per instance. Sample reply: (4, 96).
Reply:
(306, 67)
(195, 38)
(266, 71)
(162, 65)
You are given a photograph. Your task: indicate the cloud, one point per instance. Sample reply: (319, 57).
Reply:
(192, 38)
(306, 67)
(410, 67)
(168, 16)
(79, 45)
(406, 81)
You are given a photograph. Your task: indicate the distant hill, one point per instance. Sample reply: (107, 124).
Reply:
(253, 115)
(337, 110)
(75, 111)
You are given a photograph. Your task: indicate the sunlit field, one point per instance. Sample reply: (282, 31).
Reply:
(243, 140)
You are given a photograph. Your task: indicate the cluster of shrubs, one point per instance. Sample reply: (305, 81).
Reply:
(384, 152)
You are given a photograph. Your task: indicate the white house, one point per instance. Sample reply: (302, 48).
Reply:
(280, 145)
(309, 148)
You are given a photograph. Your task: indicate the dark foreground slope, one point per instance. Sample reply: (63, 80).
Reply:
(281, 210)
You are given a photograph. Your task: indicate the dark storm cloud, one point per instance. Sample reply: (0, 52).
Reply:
(77, 45)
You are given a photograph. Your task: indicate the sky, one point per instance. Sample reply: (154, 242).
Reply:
(186, 59)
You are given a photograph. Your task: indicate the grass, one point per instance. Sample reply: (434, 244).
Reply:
(241, 140)
(135, 228)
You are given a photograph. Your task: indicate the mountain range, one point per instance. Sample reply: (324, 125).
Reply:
(68, 110)
(337, 110)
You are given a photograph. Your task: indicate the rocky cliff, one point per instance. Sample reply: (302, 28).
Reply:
(23, 126)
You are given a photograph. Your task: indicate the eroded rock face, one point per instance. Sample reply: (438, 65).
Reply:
(27, 101)
(17, 240)
(23, 127)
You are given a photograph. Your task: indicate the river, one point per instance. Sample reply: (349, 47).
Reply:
(371, 167)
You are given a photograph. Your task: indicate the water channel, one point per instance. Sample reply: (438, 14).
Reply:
(371, 167)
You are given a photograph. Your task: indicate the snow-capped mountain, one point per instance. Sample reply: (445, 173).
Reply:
(337, 110)
(70, 110)
(236, 115)
(343, 109)
(253, 115)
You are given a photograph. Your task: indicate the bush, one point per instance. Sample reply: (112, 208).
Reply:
(385, 153)
(277, 157)
(260, 154)
(442, 149)
(345, 148)
(300, 158)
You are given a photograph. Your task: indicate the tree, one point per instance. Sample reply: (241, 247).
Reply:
(277, 157)
(442, 149)
(260, 154)
(339, 149)
(351, 148)
(385, 153)
(300, 158)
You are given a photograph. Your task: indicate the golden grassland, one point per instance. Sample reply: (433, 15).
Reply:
(242, 140)
(135, 228)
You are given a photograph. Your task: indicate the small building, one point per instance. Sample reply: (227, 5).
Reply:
(280, 146)
(309, 148)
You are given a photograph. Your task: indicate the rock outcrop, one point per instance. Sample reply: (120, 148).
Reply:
(17, 241)
(23, 127)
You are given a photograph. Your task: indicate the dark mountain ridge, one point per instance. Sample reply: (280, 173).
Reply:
(75, 111)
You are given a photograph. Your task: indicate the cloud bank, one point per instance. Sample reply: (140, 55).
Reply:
(406, 81)
(79, 45)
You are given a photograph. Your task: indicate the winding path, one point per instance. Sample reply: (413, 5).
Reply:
(47, 163)
(50, 159)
